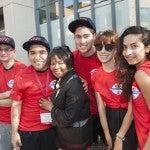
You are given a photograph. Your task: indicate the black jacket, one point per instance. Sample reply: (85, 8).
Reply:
(71, 103)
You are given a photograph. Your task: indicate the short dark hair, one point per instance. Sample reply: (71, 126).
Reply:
(64, 53)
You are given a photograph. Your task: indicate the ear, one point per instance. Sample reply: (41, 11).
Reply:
(147, 50)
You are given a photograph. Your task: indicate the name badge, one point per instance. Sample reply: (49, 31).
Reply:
(46, 117)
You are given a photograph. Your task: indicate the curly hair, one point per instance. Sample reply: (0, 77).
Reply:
(126, 72)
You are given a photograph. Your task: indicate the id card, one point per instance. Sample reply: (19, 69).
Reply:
(46, 117)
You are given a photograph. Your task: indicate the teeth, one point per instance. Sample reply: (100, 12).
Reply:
(103, 56)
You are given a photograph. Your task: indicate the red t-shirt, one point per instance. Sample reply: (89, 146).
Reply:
(107, 85)
(28, 90)
(140, 109)
(85, 66)
(6, 83)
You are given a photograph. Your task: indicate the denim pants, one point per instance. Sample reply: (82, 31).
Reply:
(5, 136)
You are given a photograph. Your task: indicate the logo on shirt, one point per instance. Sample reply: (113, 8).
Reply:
(10, 83)
(116, 89)
(52, 84)
(135, 92)
(92, 71)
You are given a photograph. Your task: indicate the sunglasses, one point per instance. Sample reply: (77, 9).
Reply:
(107, 47)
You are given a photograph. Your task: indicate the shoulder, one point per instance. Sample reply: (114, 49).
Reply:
(27, 71)
(20, 64)
(97, 72)
(75, 53)
(142, 78)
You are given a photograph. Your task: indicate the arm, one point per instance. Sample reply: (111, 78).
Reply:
(4, 99)
(128, 118)
(103, 119)
(143, 81)
(147, 144)
(15, 118)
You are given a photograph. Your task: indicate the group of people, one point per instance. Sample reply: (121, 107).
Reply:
(66, 100)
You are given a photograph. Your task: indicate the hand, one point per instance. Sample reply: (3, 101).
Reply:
(5, 95)
(46, 104)
(85, 84)
(16, 141)
(118, 144)
(109, 142)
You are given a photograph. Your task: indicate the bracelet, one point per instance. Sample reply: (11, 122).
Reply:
(121, 138)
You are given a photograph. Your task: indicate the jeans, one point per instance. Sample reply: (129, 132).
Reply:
(5, 136)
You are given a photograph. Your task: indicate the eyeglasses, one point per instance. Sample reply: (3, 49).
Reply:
(108, 47)
(6, 50)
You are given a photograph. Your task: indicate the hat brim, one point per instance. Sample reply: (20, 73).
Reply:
(8, 44)
(74, 24)
(27, 45)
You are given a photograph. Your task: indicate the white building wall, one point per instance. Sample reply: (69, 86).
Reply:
(19, 23)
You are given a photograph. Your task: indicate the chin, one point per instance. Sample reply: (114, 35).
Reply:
(57, 75)
(132, 63)
(40, 69)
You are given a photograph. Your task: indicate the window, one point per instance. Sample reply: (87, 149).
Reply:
(2, 29)
(54, 9)
(83, 3)
(68, 8)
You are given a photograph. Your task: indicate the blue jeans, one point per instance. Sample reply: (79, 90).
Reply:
(5, 136)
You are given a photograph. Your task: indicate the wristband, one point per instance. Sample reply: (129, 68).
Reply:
(121, 138)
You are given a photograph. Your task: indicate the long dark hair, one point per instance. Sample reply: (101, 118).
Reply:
(126, 72)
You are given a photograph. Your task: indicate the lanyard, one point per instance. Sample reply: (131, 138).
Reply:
(44, 93)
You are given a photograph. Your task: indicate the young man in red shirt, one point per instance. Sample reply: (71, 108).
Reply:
(9, 67)
(85, 62)
(31, 125)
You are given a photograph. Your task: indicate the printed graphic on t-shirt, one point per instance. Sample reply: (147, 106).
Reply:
(52, 84)
(135, 92)
(116, 89)
(92, 71)
(10, 83)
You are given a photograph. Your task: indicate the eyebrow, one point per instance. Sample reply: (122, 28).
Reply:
(131, 43)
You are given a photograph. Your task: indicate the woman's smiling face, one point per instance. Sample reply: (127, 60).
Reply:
(134, 50)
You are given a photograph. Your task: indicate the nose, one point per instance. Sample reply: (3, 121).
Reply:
(56, 66)
(128, 51)
(83, 40)
(103, 49)
(37, 56)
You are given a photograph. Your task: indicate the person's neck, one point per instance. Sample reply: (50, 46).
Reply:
(42, 70)
(109, 66)
(8, 64)
(90, 53)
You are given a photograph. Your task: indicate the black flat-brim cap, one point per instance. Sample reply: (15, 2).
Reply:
(39, 40)
(82, 21)
(8, 41)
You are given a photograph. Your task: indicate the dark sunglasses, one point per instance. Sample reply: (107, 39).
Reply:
(108, 47)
